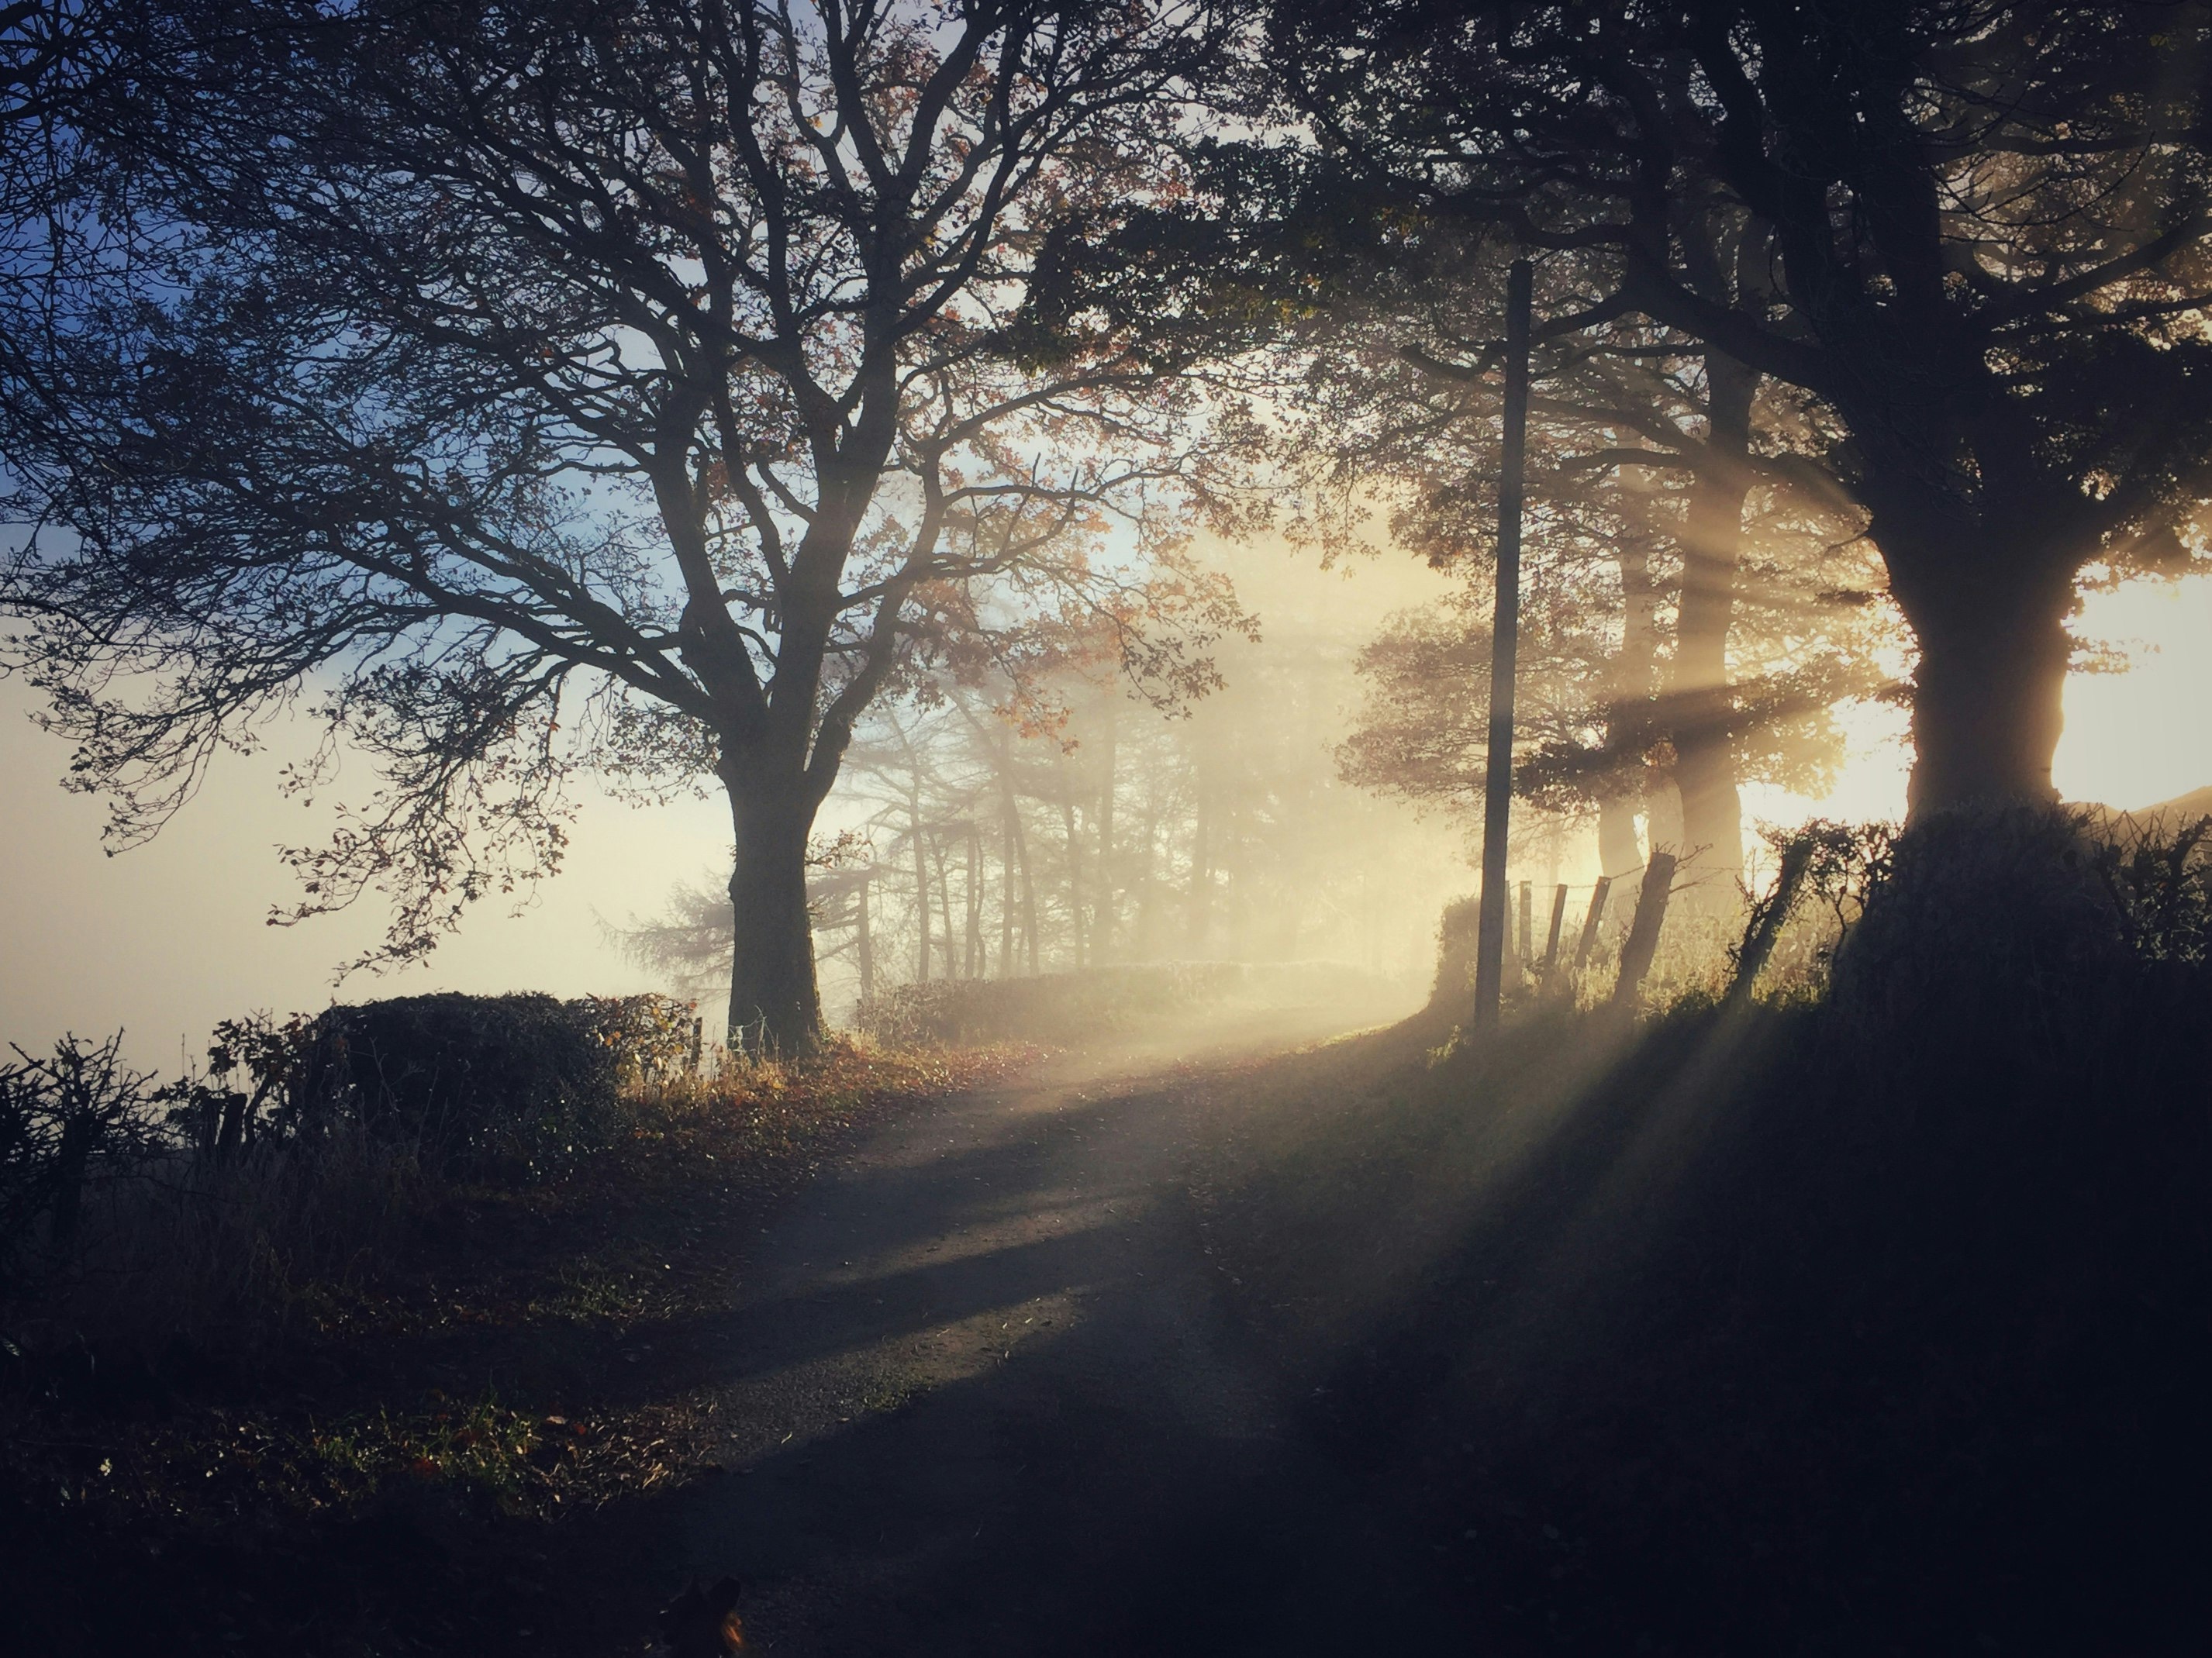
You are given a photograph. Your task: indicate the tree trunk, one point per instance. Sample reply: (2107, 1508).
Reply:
(972, 967)
(944, 908)
(1102, 945)
(1006, 886)
(1628, 716)
(776, 1006)
(1074, 877)
(1029, 890)
(863, 941)
(1148, 940)
(1201, 879)
(1700, 714)
(1617, 851)
(1988, 699)
(921, 899)
(1662, 811)
(1230, 857)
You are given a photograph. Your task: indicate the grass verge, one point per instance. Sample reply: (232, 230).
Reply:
(458, 1444)
(1757, 1330)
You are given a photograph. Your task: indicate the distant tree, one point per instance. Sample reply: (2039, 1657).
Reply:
(644, 388)
(1591, 744)
(1650, 674)
(1981, 237)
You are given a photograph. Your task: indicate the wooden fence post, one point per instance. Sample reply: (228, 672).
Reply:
(1644, 932)
(1552, 942)
(1767, 917)
(1590, 923)
(1527, 927)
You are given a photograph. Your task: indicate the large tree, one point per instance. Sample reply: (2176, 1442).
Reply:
(1981, 238)
(639, 386)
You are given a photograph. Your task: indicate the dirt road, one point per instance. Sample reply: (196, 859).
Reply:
(980, 1402)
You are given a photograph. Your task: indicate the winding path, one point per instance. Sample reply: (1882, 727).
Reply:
(980, 1402)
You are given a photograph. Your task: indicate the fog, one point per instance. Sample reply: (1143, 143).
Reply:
(166, 939)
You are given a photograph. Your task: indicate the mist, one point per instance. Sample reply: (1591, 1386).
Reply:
(1007, 826)
(168, 939)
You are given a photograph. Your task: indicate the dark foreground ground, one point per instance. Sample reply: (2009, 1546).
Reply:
(1727, 1333)
(947, 1375)
(1696, 1338)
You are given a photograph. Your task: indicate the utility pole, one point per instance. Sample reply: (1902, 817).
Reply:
(1504, 651)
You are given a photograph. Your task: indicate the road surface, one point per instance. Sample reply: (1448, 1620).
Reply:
(980, 1399)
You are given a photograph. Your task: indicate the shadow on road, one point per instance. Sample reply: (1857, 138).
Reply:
(980, 1402)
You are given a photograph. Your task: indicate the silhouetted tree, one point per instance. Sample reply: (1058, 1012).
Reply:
(1981, 237)
(1654, 674)
(632, 386)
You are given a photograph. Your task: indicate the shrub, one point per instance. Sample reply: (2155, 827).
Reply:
(499, 1086)
(1456, 946)
(654, 1039)
(484, 1086)
(67, 1123)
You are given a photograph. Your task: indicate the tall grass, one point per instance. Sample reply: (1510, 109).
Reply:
(245, 1248)
(1866, 1316)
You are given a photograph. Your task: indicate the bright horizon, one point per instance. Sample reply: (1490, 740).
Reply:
(166, 939)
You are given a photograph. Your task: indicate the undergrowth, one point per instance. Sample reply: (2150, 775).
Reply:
(313, 1428)
(1870, 1318)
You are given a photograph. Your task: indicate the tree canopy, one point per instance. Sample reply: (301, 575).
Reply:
(643, 388)
(1977, 237)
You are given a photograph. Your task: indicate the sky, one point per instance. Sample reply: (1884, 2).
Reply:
(2132, 739)
(166, 939)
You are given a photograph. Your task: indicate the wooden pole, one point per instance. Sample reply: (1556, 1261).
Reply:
(1504, 649)
(1590, 923)
(1526, 917)
(1767, 917)
(1644, 932)
(1552, 942)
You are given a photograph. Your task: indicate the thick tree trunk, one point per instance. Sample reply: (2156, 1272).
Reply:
(1988, 699)
(1700, 708)
(1617, 851)
(776, 1006)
